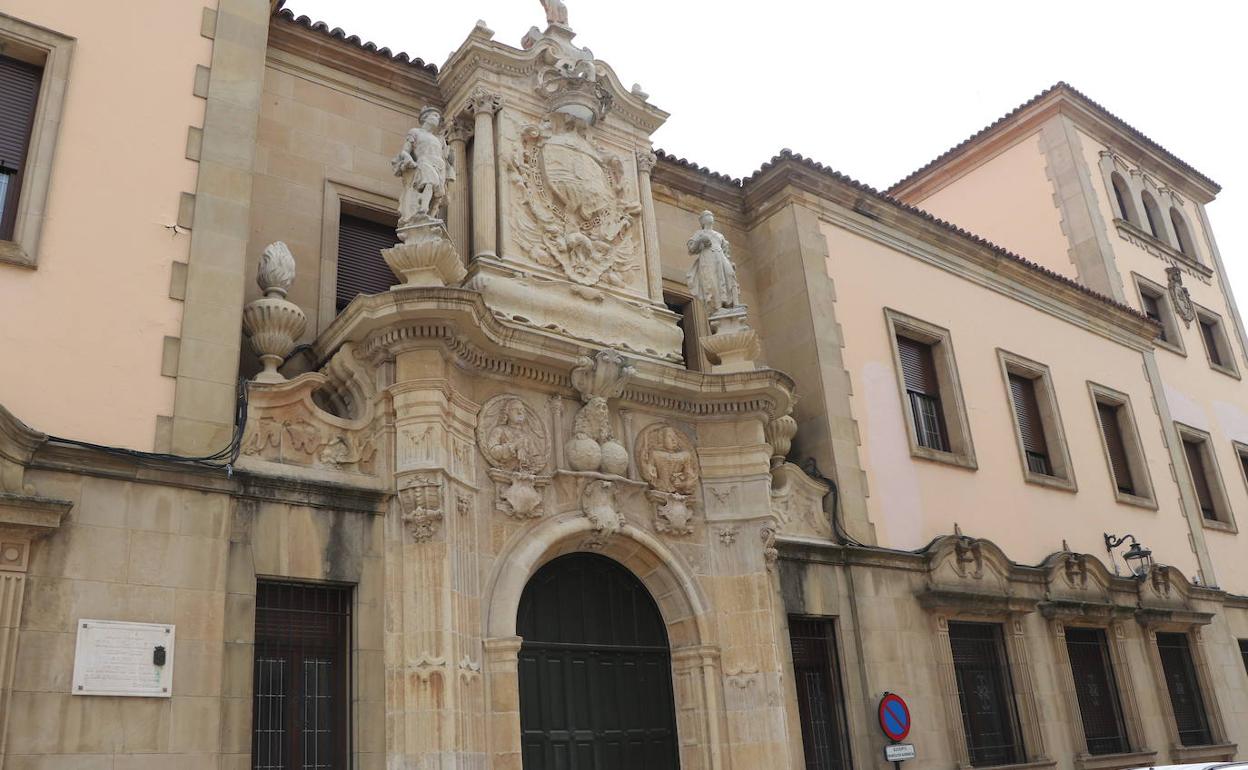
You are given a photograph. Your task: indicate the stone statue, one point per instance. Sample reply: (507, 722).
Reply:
(516, 441)
(666, 460)
(556, 12)
(426, 168)
(712, 278)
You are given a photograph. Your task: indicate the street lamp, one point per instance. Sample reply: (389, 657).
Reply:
(1138, 558)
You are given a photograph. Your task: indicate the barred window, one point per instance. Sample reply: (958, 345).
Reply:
(299, 712)
(19, 93)
(1185, 697)
(918, 369)
(986, 694)
(1097, 691)
(820, 701)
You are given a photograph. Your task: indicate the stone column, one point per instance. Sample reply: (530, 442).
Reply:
(457, 194)
(502, 682)
(484, 174)
(649, 225)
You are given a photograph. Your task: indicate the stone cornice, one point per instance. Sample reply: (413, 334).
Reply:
(348, 55)
(872, 215)
(1087, 115)
(459, 321)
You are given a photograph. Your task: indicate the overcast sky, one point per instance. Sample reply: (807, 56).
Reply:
(877, 89)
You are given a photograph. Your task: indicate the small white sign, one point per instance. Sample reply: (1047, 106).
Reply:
(118, 658)
(899, 752)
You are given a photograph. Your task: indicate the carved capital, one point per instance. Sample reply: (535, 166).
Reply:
(484, 102)
(646, 161)
(458, 131)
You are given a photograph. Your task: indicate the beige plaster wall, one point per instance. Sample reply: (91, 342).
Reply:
(913, 500)
(1008, 199)
(1197, 394)
(314, 129)
(98, 301)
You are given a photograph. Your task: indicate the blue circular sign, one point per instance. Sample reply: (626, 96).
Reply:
(894, 717)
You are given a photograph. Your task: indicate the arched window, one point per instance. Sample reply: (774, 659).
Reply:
(1122, 196)
(1153, 213)
(1182, 234)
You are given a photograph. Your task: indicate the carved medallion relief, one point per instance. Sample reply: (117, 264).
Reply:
(513, 441)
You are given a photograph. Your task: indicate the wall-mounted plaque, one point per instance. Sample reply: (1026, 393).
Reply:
(118, 658)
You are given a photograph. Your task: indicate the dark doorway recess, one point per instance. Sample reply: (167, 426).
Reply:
(595, 670)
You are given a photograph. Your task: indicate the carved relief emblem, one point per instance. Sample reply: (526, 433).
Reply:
(574, 214)
(1180, 296)
(598, 505)
(513, 440)
(420, 501)
(666, 459)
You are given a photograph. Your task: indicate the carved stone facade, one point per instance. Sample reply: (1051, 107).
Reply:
(521, 393)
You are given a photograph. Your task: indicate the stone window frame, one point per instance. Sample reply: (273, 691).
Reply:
(1221, 501)
(354, 194)
(1174, 334)
(53, 51)
(1138, 753)
(953, 404)
(1229, 367)
(1221, 748)
(1131, 440)
(1050, 416)
(697, 314)
(1019, 668)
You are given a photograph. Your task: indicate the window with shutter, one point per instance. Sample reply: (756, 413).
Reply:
(1185, 697)
(19, 93)
(985, 694)
(1111, 428)
(361, 268)
(1194, 452)
(1097, 691)
(1209, 334)
(301, 660)
(1243, 652)
(820, 700)
(1030, 425)
(918, 368)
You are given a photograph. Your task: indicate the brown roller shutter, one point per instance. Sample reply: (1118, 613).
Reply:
(19, 93)
(1027, 412)
(917, 366)
(1200, 478)
(361, 269)
(1116, 447)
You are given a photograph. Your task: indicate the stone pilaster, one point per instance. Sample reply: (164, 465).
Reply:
(483, 105)
(646, 161)
(457, 194)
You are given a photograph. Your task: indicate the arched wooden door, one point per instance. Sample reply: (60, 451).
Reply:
(595, 670)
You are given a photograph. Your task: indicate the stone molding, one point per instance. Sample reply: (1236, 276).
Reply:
(458, 320)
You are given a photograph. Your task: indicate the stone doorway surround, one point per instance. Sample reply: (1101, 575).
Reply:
(695, 657)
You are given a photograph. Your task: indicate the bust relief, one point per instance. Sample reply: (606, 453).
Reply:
(666, 460)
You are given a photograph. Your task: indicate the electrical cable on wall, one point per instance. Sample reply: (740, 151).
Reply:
(223, 458)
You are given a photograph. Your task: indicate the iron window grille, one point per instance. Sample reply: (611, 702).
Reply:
(1099, 704)
(1186, 700)
(299, 712)
(986, 694)
(19, 95)
(820, 699)
(918, 369)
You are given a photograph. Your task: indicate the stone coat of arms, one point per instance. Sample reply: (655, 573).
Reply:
(574, 213)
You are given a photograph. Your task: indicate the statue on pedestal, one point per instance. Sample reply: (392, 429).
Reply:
(712, 278)
(425, 165)
(556, 12)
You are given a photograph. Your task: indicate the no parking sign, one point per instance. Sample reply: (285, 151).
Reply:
(895, 722)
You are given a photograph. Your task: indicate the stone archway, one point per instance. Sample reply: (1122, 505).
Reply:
(684, 610)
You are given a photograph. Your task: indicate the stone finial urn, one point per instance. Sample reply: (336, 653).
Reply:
(273, 323)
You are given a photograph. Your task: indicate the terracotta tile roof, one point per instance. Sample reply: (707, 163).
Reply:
(1000, 251)
(1066, 88)
(354, 40)
(789, 155)
(682, 163)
